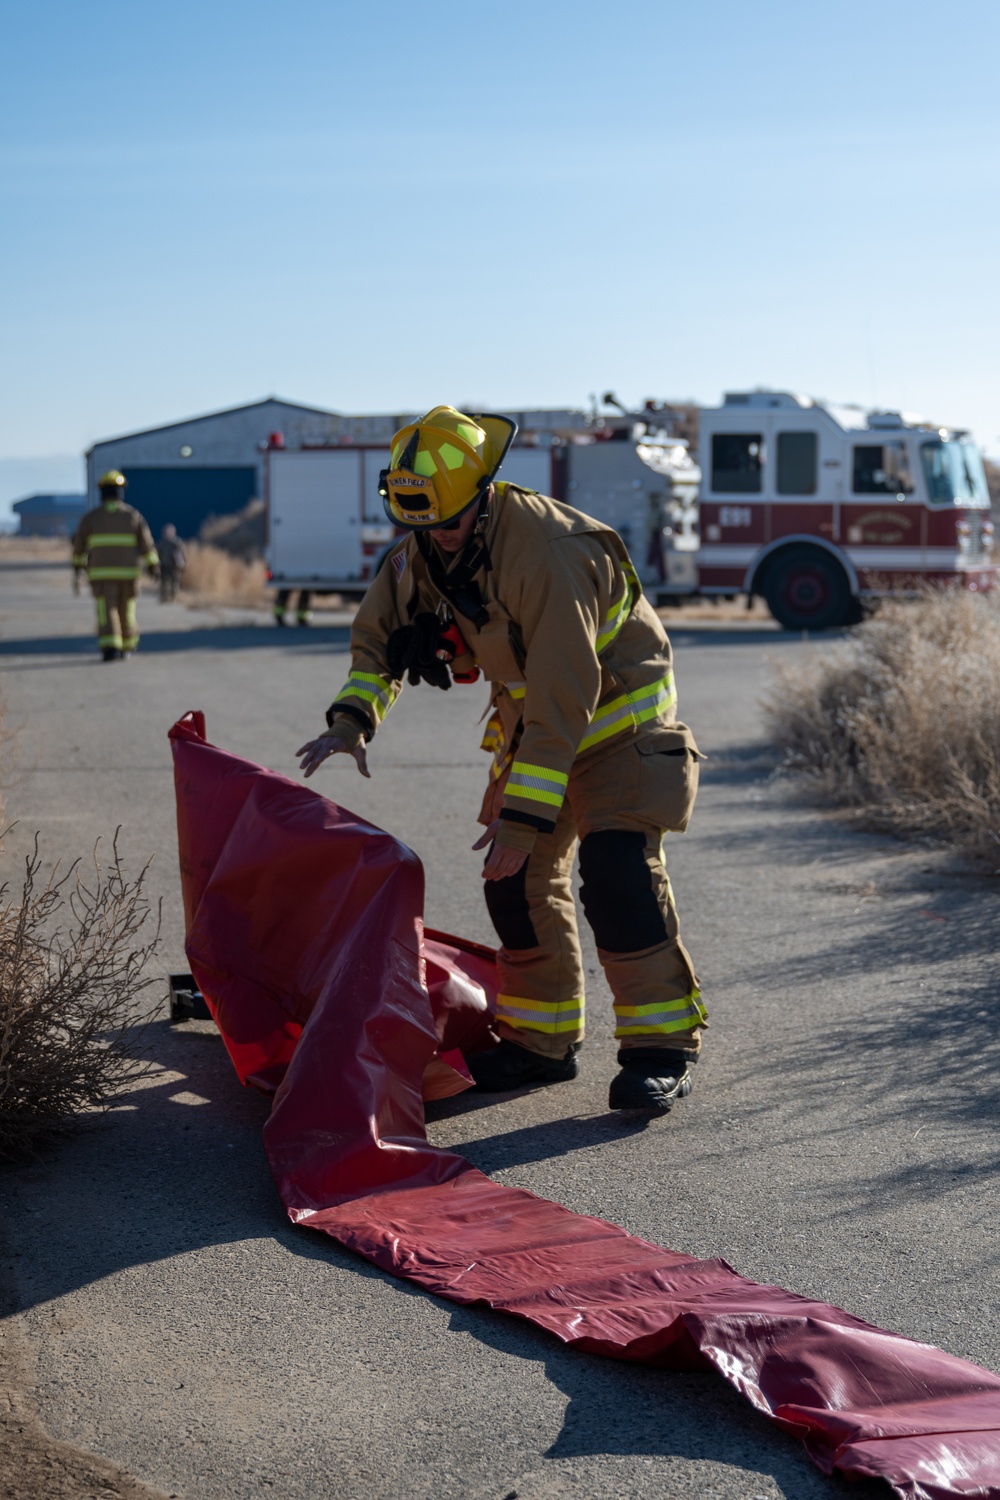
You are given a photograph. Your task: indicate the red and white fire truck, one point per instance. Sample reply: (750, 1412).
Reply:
(812, 507)
(817, 507)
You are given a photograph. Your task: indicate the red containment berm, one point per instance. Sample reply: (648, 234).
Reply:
(305, 935)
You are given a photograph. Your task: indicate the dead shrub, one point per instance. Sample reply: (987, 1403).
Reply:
(72, 956)
(243, 533)
(213, 576)
(902, 721)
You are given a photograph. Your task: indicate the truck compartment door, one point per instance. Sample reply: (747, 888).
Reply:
(315, 514)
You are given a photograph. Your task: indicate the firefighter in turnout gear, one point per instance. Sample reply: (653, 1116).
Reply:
(303, 607)
(584, 741)
(113, 544)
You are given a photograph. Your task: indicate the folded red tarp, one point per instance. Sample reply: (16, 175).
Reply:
(305, 936)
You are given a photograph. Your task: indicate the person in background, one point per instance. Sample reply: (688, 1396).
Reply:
(112, 545)
(173, 561)
(303, 610)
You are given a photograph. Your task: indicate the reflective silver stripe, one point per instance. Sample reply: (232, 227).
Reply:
(628, 710)
(551, 1016)
(648, 704)
(614, 620)
(373, 690)
(661, 1021)
(536, 784)
(661, 1016)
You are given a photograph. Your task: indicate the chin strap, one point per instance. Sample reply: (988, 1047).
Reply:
(457, 583)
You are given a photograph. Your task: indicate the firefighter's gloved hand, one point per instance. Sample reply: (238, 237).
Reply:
(414, 649)
(154, 572)
(339, 740)
(503, 860)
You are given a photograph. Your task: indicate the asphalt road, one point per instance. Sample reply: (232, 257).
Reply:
(841, 1139)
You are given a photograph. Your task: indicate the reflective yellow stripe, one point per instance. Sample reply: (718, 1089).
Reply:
(107, 575)
(550, 1016)
(651, 702)
(661, 1016)
(110, 640)
(370, 689)
(112, 539)
(536, 784)
(614, 620)
(79, 559)
(152, 558)
(102, 611)
(631, 709)
(516, 689)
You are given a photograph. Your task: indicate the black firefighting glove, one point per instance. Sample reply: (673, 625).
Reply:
(413, 649)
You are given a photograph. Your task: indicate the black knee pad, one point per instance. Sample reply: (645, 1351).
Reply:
(617, 892)
(507, 905)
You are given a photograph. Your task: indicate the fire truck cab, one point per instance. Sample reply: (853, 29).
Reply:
(815, 507)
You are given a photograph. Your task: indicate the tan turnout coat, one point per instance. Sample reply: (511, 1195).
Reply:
(577, 660)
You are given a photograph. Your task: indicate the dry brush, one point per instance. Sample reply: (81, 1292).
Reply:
(73, 952)
(901, 721)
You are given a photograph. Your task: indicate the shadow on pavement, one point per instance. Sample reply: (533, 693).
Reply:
(756, 637)
(183, 1169)
(545, 1141)
(631, 1409)
(204, 638)
(917, 1028)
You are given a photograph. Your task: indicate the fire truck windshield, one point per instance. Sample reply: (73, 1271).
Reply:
(954, 472)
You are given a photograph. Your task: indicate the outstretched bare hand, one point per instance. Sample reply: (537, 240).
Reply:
(315, 752)
(502, 861)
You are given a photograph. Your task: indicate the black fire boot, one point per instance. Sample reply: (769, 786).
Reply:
(651, 1078)
(108, 653)
(508, 1066)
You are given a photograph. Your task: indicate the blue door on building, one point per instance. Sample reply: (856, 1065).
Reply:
(188, 496)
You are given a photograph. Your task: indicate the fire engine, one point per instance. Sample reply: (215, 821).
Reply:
(817, 507)
(813, 507)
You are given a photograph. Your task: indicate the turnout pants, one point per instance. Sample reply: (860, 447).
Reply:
(619, 809)
(303, 610)
(114, 601)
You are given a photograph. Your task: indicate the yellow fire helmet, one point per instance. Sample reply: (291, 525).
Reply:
(114, 479)
(441, 465)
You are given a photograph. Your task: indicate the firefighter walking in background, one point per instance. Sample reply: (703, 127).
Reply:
(303, 608)
(584, 741)
(173, 561)
(113, 544)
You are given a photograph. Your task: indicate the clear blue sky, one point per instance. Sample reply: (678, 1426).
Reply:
(385, 206)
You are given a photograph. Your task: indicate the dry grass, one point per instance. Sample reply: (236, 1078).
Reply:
(902, 721)
(72, 955)
(213, 576)
(56, 549)
(242, 532)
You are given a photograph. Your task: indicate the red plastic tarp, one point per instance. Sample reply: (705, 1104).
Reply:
(305, 936)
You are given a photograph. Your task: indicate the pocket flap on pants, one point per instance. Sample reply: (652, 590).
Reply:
(672, 740)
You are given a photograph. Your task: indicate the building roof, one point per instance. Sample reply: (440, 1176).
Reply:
(208, 416)
(32, 503)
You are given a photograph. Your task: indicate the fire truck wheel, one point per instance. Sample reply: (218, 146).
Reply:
(807, 589)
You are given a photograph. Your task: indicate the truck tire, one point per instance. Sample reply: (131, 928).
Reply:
(806, 589)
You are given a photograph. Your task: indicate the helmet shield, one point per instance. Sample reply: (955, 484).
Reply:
(442, 465)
